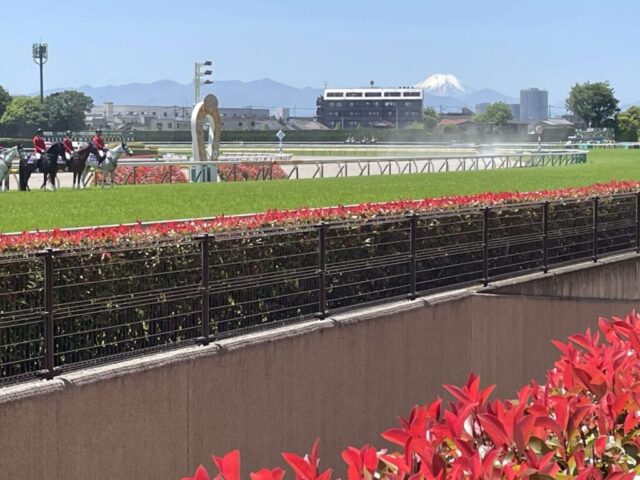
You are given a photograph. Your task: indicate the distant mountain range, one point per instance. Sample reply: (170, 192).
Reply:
(444, 92)
(265, 93)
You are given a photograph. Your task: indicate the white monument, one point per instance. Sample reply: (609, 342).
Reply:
(205, 115)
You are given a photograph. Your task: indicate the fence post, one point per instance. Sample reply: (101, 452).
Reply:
(322, 270)
(638, 222)
(595, 230)
(545, 237)
(204, 287)
(49, 358)
(485, 246)
(412, 256)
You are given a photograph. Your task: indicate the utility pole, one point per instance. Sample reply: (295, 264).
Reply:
(40, 53)
(197, 78)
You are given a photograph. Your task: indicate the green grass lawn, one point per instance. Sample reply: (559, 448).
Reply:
(68, 208)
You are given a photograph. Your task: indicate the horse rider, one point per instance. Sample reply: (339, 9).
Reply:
(38, 144)
(68, 145)
(98, 142)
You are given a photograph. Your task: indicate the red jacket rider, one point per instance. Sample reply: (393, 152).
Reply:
(38, 143)
(68, 144)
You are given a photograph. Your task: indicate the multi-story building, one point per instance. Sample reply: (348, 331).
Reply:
(169, 118)
(515, 109)
(534, 105)
(369, 107)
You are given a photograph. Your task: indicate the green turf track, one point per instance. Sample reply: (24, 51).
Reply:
(68, 208)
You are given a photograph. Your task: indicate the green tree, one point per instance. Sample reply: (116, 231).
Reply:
(66, 110)
(430, 118)
(595, 103)
(628, 125)
(498, 113)
(5, 99)
(22, 117)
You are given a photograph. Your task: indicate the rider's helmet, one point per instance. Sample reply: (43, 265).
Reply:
(39, 131)
(99, 131)
(68, 134)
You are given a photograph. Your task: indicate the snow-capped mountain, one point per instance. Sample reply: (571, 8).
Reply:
(444, 85)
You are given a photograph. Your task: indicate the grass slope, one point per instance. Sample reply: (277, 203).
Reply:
(68, 208)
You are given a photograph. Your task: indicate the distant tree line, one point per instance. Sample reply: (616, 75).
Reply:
(21, 115)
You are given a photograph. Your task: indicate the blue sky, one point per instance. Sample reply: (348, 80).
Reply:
(501, 44)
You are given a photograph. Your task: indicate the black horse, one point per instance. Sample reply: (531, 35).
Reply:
(48, 165)
(79, 161)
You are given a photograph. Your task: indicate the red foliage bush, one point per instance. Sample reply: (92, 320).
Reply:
(145, 175)
(250, 171)
(138, 232)
(582, 423)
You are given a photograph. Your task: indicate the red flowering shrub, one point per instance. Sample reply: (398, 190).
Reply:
(146, 175)
(250, 171)
(60, 238)
(583, 423)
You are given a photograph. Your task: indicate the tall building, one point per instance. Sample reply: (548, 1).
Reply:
(369, 107)
(534, 105)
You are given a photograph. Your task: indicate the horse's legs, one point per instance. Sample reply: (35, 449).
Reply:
(44, 183)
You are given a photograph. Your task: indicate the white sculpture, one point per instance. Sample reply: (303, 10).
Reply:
(206, 113)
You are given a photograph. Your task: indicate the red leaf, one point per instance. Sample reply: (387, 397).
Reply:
(494, 429)
(229, 465)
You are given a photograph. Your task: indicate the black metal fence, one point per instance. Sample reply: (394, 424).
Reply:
(63, 309)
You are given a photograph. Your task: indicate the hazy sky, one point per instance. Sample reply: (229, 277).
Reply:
(499, 44)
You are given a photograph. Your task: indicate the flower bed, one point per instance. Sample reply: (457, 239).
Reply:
(59, 238)
(583, 423)
(146, 175)
(250, 171)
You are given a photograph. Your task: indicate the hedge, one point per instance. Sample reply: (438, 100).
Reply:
(132, 288)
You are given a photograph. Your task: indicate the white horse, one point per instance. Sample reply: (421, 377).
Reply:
(6, 160)
(109, 164)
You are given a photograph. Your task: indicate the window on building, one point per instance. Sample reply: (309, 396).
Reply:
(169, 125)
(155, 114)
(165, 114)
(410, 94)
(159, 126)
(253, 124)
(335, 94)
(239, 124)
(373, 94)
(354, 94)
(391, 94)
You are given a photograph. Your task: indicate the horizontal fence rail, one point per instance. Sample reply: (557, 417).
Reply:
(65, 309)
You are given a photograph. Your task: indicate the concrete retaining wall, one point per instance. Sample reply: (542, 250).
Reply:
(343, 379)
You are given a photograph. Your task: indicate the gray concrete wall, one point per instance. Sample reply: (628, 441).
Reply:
(614, 278)
(343, 379)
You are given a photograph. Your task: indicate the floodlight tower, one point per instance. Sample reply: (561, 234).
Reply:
(198, 77)
(40, 53)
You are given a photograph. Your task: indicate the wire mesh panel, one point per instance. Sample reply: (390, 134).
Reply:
(449, 249)
(616, 224)
(21, 317)
(570, 231)
(259, 279)
(114, 301)
(515, 239)
(367, 261)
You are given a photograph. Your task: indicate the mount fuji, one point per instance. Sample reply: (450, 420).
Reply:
(444, 85)
(447, 92)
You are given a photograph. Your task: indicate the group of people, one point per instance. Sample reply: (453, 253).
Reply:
(97, 140)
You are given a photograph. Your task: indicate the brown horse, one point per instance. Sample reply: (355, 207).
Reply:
(79, 161)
